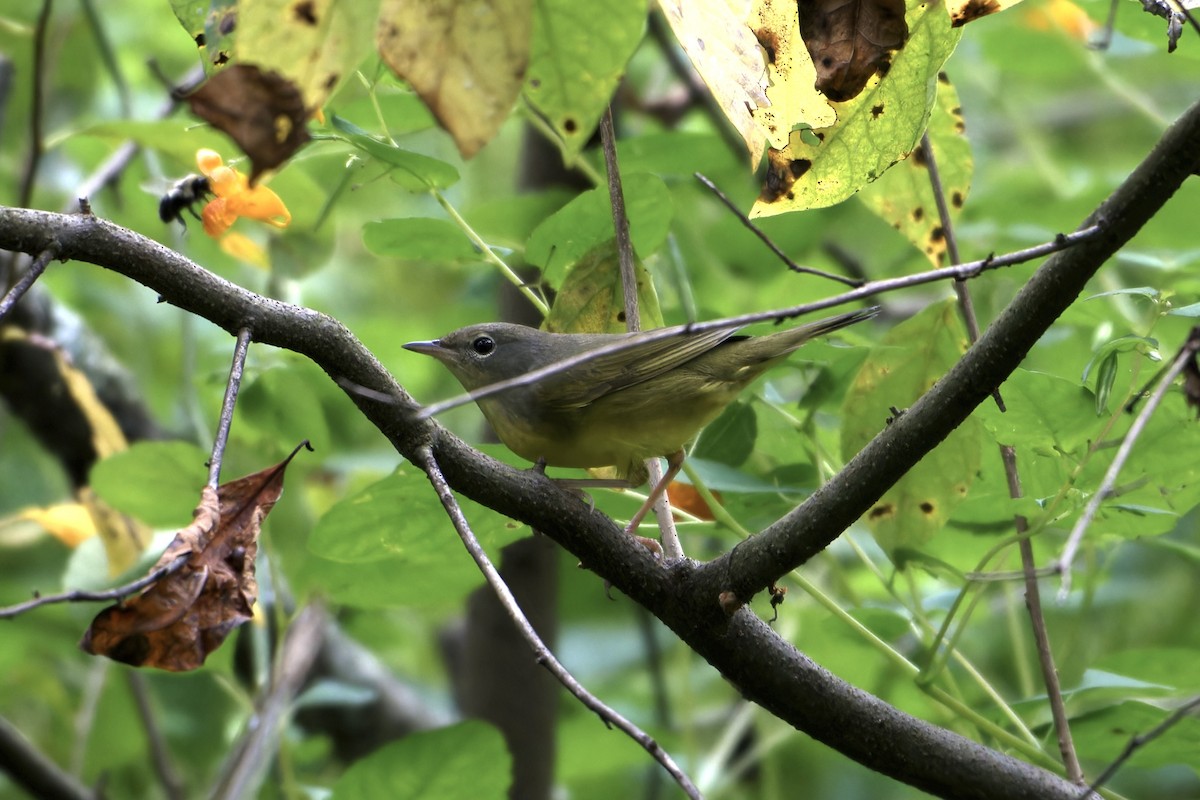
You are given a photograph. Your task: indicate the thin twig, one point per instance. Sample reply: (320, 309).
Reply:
(1139, 741)
(669, 536)
(969, 270)
(1186, 354)
(965, 304)
(792, 265)
(160, 756)
(250, 756)
(36, 144)
(27, 280)
(426, 460)
(1033, 601)
(231, 392)
(78, 596)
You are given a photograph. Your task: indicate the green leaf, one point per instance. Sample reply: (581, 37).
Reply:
(282, 403)
(576, 58)
(729, 439)
(1044, 413)
(904, 197)
(172, 137)
(510, 220)
(413, 171)
(419, 239)
(591, 299)
(467, 761)
(1102, 737)
(909, 360)
(392, 545)
(1139, 291)
(586, 222)
(1192, 310)
(396, 519)
(157, 482)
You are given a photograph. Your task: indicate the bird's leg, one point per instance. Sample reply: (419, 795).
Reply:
(674, 464)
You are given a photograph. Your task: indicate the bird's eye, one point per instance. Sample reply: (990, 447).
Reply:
(483, 345)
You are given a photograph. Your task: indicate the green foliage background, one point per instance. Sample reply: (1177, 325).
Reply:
(1053, 128)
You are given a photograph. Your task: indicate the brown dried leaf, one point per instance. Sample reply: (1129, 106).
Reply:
(850, 41)
(177, 621)
(262, 111)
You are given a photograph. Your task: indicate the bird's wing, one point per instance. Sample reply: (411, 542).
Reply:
(612, 373)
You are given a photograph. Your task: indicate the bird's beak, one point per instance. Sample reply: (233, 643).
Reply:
(431, 348)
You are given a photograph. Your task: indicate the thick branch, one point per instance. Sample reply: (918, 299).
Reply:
(811, 527)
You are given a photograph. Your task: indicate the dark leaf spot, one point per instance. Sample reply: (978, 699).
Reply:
(305, 12)
(570, 125)
(927, 507)
(884, 510)
(769, 42)
(876, 111)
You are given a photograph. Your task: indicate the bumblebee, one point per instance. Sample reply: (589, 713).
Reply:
(183, 197)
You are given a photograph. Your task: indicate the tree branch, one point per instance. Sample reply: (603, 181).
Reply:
(767, 669)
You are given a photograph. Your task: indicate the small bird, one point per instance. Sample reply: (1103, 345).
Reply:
(617, 409)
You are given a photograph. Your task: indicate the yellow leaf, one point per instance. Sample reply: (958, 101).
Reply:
(794, 98)
(124, 537)
(964, 11)
(71, 523)
(245, 249)
(721, 46)
(466, 59)
(107, 437)
(313, 43)
(1063, 15)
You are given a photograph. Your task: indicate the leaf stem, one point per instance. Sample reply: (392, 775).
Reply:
(489, 255)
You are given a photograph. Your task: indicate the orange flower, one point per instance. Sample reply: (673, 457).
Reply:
(235, 197)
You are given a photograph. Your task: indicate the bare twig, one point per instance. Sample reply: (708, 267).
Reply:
(1186, 354)
(36, 143)
(965, 304)
(249, 757)
(1137, 742)
(425, 459)
(159, 754)
(774, 248)
(28, 278)
(672, 549)
(1033, 601)
(231, 392)
(969, 270)
(93, 597)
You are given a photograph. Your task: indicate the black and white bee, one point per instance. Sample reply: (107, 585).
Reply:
(183, 196)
